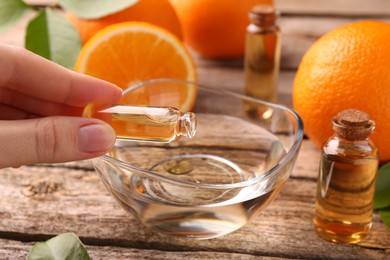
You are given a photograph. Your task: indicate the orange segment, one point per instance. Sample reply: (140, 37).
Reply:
(132, 52)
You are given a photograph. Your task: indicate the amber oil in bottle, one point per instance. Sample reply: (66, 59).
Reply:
(145, 123)
(346, 181)
(262, 58)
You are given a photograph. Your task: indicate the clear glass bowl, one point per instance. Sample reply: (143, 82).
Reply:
(213, 184)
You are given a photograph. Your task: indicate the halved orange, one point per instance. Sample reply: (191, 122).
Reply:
(132, 52)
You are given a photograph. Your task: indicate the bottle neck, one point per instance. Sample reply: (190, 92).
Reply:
(187, 125)
(263, 16)
(341, 139)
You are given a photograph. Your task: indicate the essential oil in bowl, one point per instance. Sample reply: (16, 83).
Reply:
(226, 150)
(346, 182)
(145, 123)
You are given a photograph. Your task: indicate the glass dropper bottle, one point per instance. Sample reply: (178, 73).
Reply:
(145, 123)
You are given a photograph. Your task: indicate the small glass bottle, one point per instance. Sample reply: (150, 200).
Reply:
(145, 123)
(262, 57)
(346, 181)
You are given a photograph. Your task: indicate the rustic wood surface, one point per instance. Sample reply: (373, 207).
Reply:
(41, 201)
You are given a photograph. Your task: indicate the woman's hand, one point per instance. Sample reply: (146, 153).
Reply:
(40, 108)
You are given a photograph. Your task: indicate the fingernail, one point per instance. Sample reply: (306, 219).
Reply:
(96, 138)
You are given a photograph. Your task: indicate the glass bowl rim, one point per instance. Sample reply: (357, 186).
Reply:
(288, 156)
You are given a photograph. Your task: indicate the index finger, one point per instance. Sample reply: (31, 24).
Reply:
(33, 75)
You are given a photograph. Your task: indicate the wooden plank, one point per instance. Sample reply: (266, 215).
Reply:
(307, 163)
(10, 249)
(232, 78)
(13, 249)
(335, 7)
(78, 202)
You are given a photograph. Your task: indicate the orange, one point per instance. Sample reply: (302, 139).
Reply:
(132, 52)
(158, 12)
(346, 68)
(215, 28)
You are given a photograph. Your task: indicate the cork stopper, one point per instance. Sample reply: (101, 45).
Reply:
(353, 125)
(263, 15)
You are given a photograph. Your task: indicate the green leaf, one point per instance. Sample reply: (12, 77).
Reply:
(64, 246)
(382, 193)
(385, 216)
(11, 11)
(92, 9)
(53, 37)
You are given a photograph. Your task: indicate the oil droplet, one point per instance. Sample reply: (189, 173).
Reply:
(178, 167)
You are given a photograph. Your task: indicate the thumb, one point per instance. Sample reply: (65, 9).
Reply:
(52, 140)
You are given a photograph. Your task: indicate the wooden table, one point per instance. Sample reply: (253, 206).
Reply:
(41, 201)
